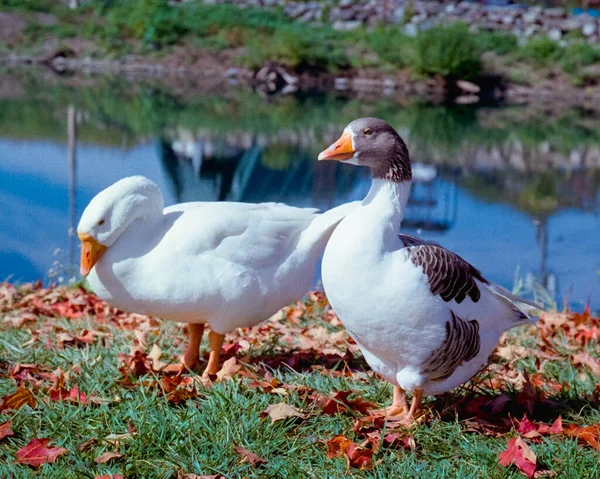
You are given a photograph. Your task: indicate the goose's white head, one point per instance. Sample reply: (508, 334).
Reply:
(111, 212)
(374, 143)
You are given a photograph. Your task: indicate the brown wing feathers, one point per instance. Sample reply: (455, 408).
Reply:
(449, 275)
(461, 344)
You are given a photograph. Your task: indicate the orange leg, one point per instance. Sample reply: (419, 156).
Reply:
(399, 405)
(215, 340)
(191, 358)
(415, 408)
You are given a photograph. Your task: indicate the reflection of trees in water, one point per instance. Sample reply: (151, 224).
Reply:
(213, 168)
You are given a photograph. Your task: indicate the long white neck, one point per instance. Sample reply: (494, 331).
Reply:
(387, 200)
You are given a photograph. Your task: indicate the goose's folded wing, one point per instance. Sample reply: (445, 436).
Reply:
(462, 343)
(254, 235)
(449, 275)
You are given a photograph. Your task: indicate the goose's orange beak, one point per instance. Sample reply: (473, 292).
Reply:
(91, 251)
(341, 150)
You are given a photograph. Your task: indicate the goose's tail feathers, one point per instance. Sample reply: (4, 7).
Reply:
(526, 311)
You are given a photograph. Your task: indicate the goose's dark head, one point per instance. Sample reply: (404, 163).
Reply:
(372, 142)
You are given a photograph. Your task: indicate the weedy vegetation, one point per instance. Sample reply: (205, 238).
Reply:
(252, 36)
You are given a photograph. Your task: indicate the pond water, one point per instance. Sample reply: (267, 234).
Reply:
(516, 191)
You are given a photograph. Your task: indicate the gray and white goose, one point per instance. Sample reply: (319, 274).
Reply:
(424, 318)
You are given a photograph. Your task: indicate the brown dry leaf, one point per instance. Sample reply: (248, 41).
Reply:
(88, 444)
(589, 361)
(229, 369)
(280, 411)
(155, 354)
(183, 475)
(140, 338)
(248, 456)
(5, 430)
(110, 476)
(21, 397)
(107, 456)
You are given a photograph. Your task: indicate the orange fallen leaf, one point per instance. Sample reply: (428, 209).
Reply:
(36, 453)
(248, 456)
(356, 457)
(21, 397)
(519, 454)
(585, 434)
(280, 411)
(5, 430)
(107, 456)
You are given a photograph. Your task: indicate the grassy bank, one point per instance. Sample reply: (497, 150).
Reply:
(250, 37)
(156, 425)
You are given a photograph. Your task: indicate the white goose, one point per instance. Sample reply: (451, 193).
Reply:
(424, 318)
(228, 265)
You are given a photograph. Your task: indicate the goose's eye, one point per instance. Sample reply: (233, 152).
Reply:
(368, 131)
(100, 223)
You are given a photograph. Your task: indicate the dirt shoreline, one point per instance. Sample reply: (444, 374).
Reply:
(274, 79)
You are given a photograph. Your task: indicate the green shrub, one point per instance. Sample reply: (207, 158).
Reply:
(501, 43)
(296, 48)
(392, 46)
(449, 51)
(578, 55)
(156, 22)
(29, 5)
(541, 50)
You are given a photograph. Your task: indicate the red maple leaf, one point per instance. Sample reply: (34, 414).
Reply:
(519, 454)
(36, 453)
(5, 430)
(61, 394)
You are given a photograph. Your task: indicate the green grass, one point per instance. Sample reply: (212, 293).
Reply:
(198, 435)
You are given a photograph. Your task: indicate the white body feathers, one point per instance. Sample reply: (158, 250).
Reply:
(226, 264)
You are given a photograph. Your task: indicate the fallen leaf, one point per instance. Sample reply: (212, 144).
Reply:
(556, 427)
(356, 457)
(587, 360)
(340, 402)
(63, 395)
(107, 456)
(88, 444)
(21, 397)
(248, 456)
(5, 430)
(229, 369)
(589, 435)
(519, 454)
(281, 411)
(136, 363)
(155, 354)
(183, 475)
(36, 453)
(110, 476)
